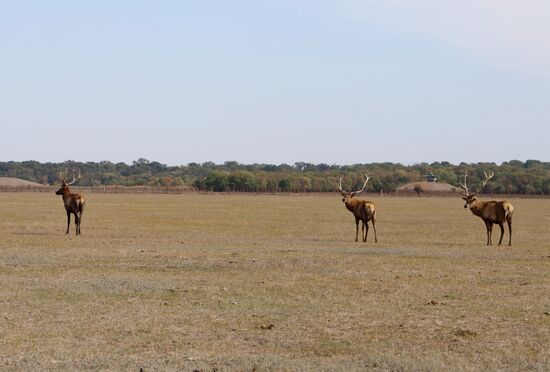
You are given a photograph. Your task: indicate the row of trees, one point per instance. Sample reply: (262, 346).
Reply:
(513, 177)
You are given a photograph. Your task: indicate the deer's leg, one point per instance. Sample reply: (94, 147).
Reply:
(374, 228)
(366, 227)
(489, 231)
(510, 230)
(68, 222)
(356, 228)
(77, 223)
(501, 232)
(80, 217)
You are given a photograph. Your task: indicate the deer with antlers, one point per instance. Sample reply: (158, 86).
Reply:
(363, 210)
(74, 203)
(490, 212)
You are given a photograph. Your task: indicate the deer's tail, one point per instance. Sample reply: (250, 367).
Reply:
(508, 210)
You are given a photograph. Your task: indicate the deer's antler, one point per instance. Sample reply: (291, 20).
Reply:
(487, 179)
(63, 176)
(353, 193)
(340, 187)
(75, 178)
(464, 187)
(363, 188)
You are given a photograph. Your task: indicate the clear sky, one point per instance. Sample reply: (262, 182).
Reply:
(267, 81)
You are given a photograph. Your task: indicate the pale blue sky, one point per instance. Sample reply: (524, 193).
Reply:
(265, 81)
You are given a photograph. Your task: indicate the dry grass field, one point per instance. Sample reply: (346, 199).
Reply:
(269, 282)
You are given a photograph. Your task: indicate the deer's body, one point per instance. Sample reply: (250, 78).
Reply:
(363, 211)
(74, 203)
(491, 212)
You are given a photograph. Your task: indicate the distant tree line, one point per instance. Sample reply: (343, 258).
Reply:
(513, 177)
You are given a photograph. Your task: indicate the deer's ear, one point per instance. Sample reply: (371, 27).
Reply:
(344, 194)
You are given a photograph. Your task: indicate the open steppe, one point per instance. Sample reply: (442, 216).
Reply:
(270, 282)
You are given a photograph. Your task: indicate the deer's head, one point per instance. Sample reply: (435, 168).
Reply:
(467, 196)
(348, 195)
(64, 184)
(470, 200)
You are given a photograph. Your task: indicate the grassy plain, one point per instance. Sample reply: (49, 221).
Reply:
(269, 282)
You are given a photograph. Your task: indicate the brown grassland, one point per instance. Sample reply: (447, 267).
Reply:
(270, 282)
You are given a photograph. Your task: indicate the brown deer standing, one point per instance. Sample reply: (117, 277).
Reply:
(74, 203)
(490, 212)
(363, 210)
